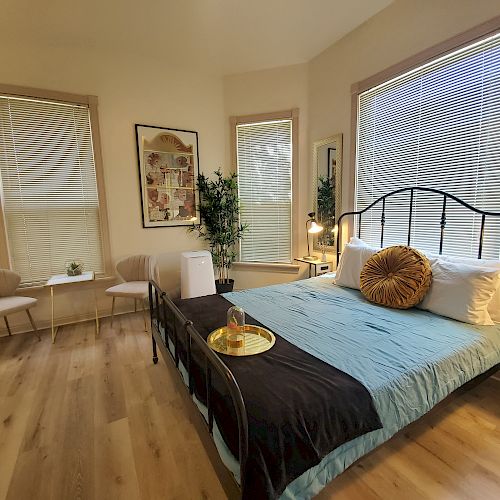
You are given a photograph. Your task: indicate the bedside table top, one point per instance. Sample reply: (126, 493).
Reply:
(314, 262)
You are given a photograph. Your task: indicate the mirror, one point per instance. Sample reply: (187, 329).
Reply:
(327, 189)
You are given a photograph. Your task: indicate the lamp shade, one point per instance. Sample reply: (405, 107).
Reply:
(315, 228)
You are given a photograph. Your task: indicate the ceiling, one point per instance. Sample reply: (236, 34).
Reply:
(221, 36)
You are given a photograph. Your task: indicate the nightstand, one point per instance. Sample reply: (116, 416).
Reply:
(319, 266)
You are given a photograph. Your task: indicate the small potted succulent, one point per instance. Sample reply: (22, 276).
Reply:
(74, 268)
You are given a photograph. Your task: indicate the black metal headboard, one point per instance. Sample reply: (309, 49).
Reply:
(412, 190)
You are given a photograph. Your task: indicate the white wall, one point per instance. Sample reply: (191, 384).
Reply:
(403, 29)
(130, 90)
(266, 91)
(133, 90)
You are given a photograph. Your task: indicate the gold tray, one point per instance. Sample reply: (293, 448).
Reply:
(253, 340)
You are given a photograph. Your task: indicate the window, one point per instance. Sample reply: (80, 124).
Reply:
(435, 126)
(50, 200)
(264, 158)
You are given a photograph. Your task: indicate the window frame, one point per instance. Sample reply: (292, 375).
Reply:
(92, 103)
(441, 49)
(293, 115)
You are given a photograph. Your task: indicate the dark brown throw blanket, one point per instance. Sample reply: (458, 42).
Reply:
(299, 408)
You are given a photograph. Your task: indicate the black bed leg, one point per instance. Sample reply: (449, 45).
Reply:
(155, 354)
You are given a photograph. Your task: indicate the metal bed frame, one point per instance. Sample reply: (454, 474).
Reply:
(412, 191)
(177, 327)
(180, 329)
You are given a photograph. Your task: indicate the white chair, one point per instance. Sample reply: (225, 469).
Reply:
(135, 271)
(10, 303)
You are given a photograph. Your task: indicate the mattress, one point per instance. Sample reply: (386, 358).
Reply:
(408, 360)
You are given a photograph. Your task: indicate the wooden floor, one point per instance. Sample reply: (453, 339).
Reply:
(95, 419)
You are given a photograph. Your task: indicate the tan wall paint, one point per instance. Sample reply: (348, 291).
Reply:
(130, 90)
(266, 91)
(403, 29)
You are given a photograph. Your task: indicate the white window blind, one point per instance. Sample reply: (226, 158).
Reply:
(437, 126)
(48, 187)
(264, 158)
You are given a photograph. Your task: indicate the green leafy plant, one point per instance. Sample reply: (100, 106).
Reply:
(326, 209)
(219, 220)
(74, 268)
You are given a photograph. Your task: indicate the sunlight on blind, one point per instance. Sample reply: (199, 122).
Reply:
(437, 126)
(264, 158)
(48, 185)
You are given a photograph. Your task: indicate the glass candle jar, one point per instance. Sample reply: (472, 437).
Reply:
(235, 327)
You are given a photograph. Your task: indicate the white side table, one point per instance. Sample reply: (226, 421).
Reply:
(320, 267)
(64, 279)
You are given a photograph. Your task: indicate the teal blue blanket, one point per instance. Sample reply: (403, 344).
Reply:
(408, 360)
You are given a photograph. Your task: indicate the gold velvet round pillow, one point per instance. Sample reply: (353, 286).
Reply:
(397, 277)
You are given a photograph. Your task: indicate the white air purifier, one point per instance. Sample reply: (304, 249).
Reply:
(197, 274)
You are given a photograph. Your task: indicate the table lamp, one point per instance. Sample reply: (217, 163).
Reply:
(312, 227)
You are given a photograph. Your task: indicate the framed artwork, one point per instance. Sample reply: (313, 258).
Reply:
(332, 161)
(168, 169)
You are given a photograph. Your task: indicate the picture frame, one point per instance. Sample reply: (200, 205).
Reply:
(332, 161)
(168, 163)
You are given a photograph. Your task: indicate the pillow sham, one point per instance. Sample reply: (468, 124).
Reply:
(351, 263)
(461, 291)
(494, 305)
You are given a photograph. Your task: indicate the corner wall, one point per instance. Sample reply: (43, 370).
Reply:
(266, 91)
(130, 90)
(401, 30)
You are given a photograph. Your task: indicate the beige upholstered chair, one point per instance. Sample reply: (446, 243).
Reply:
(135, 271)
(10, 303)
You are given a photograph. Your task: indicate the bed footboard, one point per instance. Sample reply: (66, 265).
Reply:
(177, 330)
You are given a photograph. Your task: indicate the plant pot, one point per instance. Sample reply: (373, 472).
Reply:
(224, 287)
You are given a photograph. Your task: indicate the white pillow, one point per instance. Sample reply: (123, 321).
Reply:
(461, 291)
(351, 263)
(494, 305)
(357, 242)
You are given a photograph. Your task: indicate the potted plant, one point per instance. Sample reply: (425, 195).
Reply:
(219, 223)
(326, 213)
(74, 268)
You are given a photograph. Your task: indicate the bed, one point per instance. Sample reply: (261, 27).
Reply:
(407, 360)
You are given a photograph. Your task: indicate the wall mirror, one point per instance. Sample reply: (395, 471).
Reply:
(327, 189)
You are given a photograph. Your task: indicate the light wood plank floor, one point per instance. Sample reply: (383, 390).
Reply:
(95, 419)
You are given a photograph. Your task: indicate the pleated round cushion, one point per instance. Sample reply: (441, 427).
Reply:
(397, 277)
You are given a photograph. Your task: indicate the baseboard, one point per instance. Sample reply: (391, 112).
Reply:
(64, 320)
